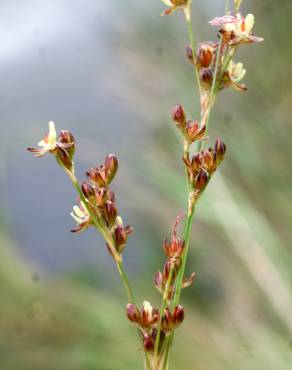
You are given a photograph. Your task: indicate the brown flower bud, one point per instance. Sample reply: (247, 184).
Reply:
(173, 248)
(178, 315)
(178, 115)
(133, 313)
(110, 212)
(158, 280)
(166, 322)
(63, 158)
(101, 195)
(206, 76)
(88, 191)
(220, 149)
(205, 55)
(111, 167)
(192, 129)
(120, 237)
(148, 343)
(66, 141)
(97, 176)
(201, 180)
(208, 160)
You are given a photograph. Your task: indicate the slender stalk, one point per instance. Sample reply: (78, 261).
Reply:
(186, 236)
(108, 238)
(163, 306)
(193, 47)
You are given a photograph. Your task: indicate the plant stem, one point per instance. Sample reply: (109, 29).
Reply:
(125, 280)
(193, 47)
(163, 306)
(108, 238)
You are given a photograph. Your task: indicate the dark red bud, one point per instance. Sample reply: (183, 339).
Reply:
(101, 196)
(97, 176)
(201, 180)
(178, 315)
(208, 160)
(66, 141)
(192, 130)
(111, 166)
(206, 76)
(88, 191)
(166, 322)
(110, 212)
(220, 148)
(205, 54)
(64, 159)
(158, 279)
(148, 343)
(120, 237)
(133, 313)
(178, 115)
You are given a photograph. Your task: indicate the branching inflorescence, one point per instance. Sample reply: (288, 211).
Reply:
(215, 70)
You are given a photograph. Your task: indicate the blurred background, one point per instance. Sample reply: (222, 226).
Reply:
(109, 71)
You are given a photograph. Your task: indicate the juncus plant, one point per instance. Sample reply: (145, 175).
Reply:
(215, 69)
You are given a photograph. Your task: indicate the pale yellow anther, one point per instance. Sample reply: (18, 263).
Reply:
(80, 215)
(147, 308)
(78, 212)
(167, 2)
(249, 23)
(52, 134)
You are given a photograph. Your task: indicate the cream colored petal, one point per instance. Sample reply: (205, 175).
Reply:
(42, 143)
(78, 211)
(237, 69)
(249, 22)
(52, 134)
(243, 73)
(167, 2)
(77, 219)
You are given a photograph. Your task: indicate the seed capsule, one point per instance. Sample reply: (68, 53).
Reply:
(111, 166)
(178, 115)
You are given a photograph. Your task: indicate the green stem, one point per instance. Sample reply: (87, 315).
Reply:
(163, 306)
(193, 47)
(125, 281)
(108, 238)
(186, 236)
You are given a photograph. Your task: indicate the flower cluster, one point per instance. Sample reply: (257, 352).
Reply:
(191, 130)
(101, 201)
(203, 164)
(96, 202)
(173, 250)
(235, 30)
(147, 320)
(62, 147)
